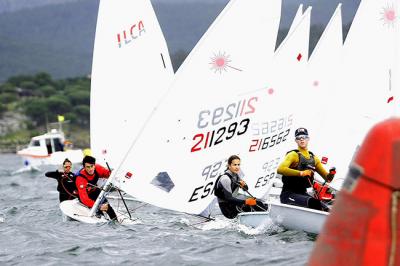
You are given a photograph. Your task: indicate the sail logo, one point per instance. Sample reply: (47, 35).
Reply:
(389, 16)
(220, 63)
(128, 36)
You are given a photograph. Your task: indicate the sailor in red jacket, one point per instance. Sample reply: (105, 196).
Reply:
(86, 182)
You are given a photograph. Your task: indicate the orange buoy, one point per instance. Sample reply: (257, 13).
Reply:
(363, 227)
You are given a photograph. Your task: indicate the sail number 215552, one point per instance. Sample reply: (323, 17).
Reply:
(215, 137)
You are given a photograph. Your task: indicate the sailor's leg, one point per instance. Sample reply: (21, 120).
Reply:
(314, 204)
(228, 210)
(291, 198)
(110, 211)
(63, 196)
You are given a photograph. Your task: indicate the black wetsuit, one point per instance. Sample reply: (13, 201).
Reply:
(66, 184)
(225, 187)
(294, 190)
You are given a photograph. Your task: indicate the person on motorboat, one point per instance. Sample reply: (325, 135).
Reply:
(227, 188)
(297, 170)
(66, 181)
(86, 182)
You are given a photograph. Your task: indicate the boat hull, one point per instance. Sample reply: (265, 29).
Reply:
(73, 209)
(56, 158)
(288, 216)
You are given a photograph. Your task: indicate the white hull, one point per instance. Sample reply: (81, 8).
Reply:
(288, 216)
(73, 209)
(56, 158)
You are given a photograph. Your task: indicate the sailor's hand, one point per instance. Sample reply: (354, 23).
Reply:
(251, 201)
(243, 185)
(104, 207)
(331, 174)
(306, 173)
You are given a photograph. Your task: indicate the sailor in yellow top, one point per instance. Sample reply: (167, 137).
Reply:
(297, 170)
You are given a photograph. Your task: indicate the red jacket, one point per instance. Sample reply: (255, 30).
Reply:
(86, 193)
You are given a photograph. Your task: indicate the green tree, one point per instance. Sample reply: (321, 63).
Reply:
(47, 90)
(18, 80)
(43, 79)
(79, 97)
(28, 85)
(7, 87)
(7, 98)
(83, 115)
(3, 109)
(72, 117)
(57, 104)
(36, 109)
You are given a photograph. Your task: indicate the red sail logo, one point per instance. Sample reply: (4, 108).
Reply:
(128, 36)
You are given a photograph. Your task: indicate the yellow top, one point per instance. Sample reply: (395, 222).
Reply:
(291, 161)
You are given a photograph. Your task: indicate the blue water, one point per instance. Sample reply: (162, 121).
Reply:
(33, 233)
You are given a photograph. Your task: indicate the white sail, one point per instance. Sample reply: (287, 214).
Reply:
(297, 18)
(364, 91)
(322, 69)
(279, 117)
(293, 52)
(368, 57)
(131, 70)
(207, 114)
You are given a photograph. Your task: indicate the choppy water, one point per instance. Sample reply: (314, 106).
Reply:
(33, 233)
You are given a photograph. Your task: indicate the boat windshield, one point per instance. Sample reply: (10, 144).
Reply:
(35, 143)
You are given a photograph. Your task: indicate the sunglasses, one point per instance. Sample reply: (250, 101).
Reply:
(301, 138)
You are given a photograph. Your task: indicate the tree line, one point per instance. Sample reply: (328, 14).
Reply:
(41, 99)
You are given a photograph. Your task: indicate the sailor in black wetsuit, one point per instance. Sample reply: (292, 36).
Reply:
(226, 190)
(66, 181)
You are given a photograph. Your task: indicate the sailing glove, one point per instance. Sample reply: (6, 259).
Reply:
(251, 201)
(243, 185)
(331, 174)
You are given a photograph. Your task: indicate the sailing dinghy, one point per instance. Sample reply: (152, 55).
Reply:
(131, 70)
(318, 85)
(75, 210)
(295, 45)
(214, 108)
(371, 81)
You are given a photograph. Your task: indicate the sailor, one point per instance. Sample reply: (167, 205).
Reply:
(86, 182)
(297, 170)
(66, 181)
(226, 190)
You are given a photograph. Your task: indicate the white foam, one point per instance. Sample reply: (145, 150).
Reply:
(267, 226)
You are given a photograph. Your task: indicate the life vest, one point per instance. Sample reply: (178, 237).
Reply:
(363, 227)
(218, 190)
(298, 184)
(92, 184)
